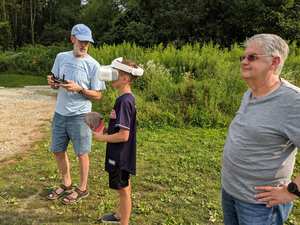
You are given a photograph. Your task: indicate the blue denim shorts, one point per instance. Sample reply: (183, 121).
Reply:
(237, 212)
(66, 128)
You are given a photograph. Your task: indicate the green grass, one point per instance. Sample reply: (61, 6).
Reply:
(17, 80)
(178, 182)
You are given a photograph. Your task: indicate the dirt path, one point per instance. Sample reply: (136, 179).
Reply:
(23, 113)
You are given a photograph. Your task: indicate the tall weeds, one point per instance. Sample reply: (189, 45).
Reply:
(196, 85)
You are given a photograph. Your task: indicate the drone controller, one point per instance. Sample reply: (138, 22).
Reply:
(57, 80)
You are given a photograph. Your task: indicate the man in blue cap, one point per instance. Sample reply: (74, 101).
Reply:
(74, 74)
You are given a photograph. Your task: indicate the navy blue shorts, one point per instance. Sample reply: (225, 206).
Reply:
(118, 178)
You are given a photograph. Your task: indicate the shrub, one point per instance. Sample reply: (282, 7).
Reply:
(35, 60)
(196, 85)
(6, 35)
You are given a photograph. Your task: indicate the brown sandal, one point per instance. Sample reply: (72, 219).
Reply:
(54, 194)
(69, 199)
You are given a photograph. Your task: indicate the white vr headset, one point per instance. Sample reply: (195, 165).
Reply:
(110, 72)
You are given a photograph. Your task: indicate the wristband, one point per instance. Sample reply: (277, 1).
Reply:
(81, 91)
(293, 188)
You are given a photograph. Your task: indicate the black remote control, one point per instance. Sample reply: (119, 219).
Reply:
(58, 80)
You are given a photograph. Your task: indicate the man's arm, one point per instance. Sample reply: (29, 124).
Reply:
(90, 94)
(276, 195)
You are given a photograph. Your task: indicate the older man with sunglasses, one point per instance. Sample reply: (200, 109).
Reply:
(259, 153)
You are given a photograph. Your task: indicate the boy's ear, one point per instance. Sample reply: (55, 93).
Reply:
(128, 78)
(125, 77)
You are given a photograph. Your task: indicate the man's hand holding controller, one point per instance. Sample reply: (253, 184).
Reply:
(69, 85)
(55, 82)
(72, 86)
(51, 82)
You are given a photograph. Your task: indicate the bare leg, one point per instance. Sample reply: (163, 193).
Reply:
(64, 167)
(84, 171)
(125, 204)
(84, 164)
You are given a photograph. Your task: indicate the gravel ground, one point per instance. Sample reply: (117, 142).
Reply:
(23, 114)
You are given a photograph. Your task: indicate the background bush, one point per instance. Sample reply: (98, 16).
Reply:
(35, 60)
(196, 85)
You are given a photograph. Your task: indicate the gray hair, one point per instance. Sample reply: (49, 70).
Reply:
(272, 45)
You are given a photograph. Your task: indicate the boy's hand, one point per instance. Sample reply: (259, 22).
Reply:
(104, 130)
(99, 136)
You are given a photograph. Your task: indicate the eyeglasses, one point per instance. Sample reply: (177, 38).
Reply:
(252, 57)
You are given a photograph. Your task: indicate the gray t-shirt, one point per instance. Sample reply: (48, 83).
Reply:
(83, 71)
(261, 143)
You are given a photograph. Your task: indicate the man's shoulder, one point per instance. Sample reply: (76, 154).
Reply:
(91, 60)
(290, 96)
(290, 89)
(64, 54)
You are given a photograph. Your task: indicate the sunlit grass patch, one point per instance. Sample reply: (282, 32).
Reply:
(177, 182)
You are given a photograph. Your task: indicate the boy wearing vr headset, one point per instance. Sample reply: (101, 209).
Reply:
(120, 159)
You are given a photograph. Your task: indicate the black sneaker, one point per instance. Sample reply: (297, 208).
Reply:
(110, 218)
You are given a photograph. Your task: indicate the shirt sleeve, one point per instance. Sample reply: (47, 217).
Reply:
(55, 67)
(124, 116)
(292, 125)
(97, 84)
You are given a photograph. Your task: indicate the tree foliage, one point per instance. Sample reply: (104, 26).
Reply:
(149, 22)
(5, 37)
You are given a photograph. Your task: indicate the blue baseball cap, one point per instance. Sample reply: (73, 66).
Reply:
(82, 33)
